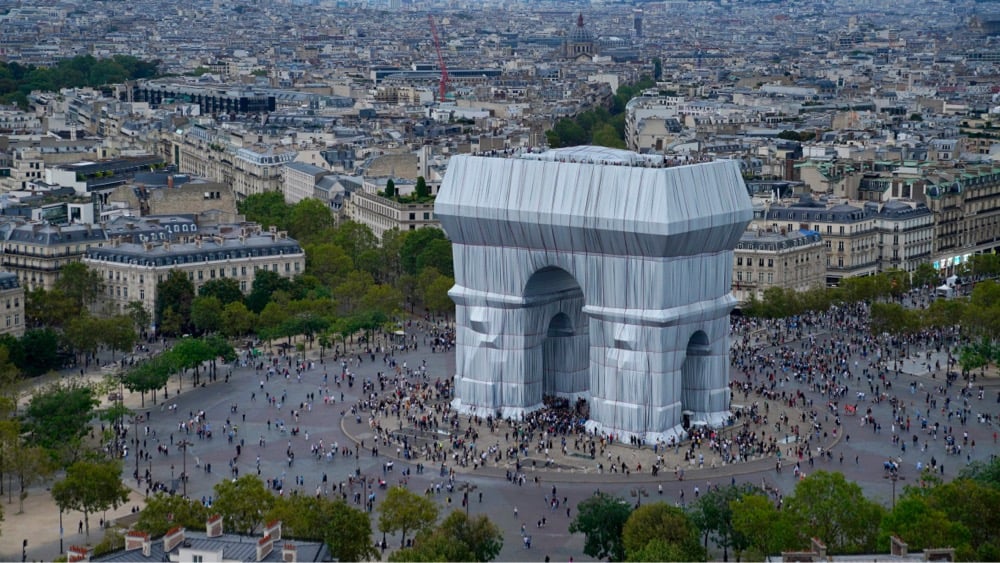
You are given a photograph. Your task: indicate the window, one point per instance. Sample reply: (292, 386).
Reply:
(760, 263)
(841, 229)
(739, 260)
(243, 286)
(243, 271)
(840, 246)
(274, 268)
(142, 294)
(770, 262)
(739, 276)
(197, 558)
(770, 277)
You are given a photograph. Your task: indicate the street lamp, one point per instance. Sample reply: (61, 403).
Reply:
(60, 531)
(893, 477)
(639, 492)
(183, 445)
(467, 488)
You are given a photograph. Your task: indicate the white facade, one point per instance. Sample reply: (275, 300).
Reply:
(593, 273)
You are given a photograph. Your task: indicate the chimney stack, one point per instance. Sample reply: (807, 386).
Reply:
(264, 547)
(213, 527)
(173, 538)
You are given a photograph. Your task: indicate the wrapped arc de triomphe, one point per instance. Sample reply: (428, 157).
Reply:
(594, 273)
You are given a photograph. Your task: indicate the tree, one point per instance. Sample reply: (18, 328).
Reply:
(438, 255)
(355, 239)
(141, 318)
(91, 487)
(349, 533)
(237, 320)
(58, 416)
(351, 290)
(457, 538)
(390, 188)
(83, 335)
(49, 308)
(268, 208)
(206, 313)
(712, 513)
(664, 523)
(404, 512)
(987, 473)
(346, 530)
(118, 334)
(242, 503)
(435, 294)
(414, 243)
(265, 283)
(382, 298)
(827, 506)
(607, 136)
(328, 262)
(150, 375)
(757, 518)
(175, 294)
(162, 512)
(81, 284)
(30, 465)
(972, 504)
(226, 290)
(309, 220)
(925, 276)
(421, 190)
(601, 518)
(920, 526)
(41, 351)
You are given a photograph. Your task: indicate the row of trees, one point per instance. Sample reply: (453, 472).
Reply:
(17, 80)
(246, 505)
(599, 126)
(745, 520)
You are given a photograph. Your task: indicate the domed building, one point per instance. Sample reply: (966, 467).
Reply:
(579, 42)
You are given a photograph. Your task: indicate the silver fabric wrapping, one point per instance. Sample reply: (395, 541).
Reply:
(587, 279)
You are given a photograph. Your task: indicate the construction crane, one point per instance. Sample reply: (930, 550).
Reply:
(443, 86)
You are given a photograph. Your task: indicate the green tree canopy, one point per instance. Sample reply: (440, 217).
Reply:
(268, 208)
(226, 290)
(243, 503)
(59, 415)
(174, 294)
(663, 523)
(163, 511)
(457, 538)
(91, 487)
(825, 505)
(601, 518)
(405, 512)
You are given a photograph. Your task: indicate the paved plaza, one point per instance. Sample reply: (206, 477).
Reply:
(266, 425)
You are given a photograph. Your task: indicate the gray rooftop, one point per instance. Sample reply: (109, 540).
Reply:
(207, 250)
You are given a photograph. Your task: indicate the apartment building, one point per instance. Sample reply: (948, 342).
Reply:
(777, 258)
(247, 170)
(12, 298)
(382, 214)
(132, 271)
(905, 234)
(849, 233)
(36, 252)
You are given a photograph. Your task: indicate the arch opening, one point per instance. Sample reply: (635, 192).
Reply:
(559, 354)
(695, 380)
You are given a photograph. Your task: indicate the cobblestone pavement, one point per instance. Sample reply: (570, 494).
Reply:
(256, 424)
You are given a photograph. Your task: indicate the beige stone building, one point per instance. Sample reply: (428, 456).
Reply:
(382, 214)
(849, 232)
(12, 299)
(132, 271)
(35, 252)
(777, 258)
(248, 170)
